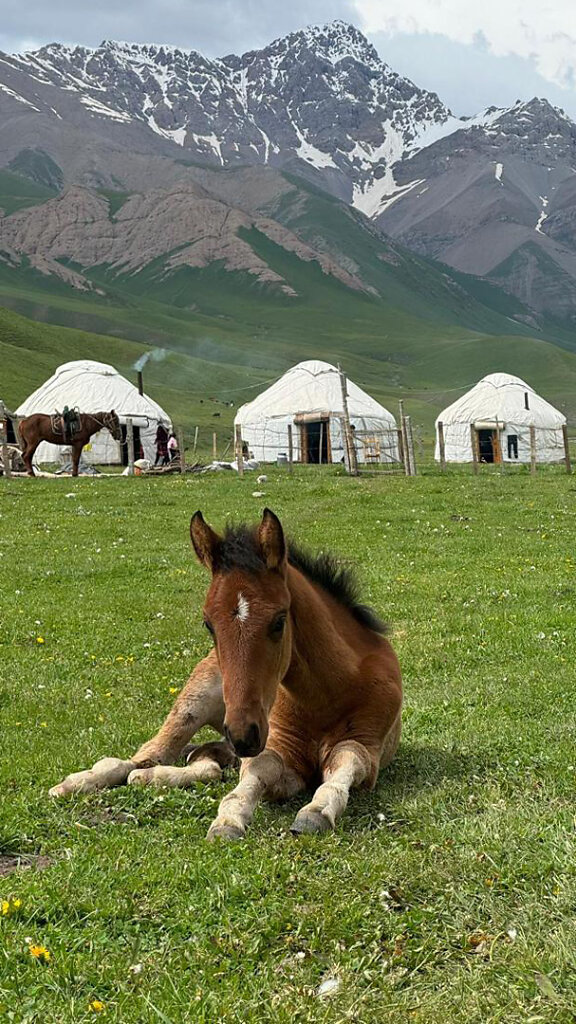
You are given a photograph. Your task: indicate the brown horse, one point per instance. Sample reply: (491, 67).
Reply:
(39, 427)
(301, 682)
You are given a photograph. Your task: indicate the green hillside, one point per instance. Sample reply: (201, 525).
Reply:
(202, 373)
(426, 334)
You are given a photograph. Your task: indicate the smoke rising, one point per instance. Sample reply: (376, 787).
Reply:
(155, 354)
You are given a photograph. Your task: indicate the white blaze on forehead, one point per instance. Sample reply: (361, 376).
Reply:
(243, 609)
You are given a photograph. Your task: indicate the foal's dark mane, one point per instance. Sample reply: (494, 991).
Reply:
(239, 549)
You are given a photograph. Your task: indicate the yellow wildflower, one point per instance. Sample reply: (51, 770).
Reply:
(10, 906)
(40, 953)
(97, 1006)
(40, 640)
(174, 689)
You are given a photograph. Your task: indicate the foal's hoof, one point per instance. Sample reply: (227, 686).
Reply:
(227, 832)
(310, 823)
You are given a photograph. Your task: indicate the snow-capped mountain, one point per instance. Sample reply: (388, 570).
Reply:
(493, 195)
(321, 96)
(496, 198)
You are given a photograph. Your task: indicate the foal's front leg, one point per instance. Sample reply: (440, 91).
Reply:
(200, 703)
(348, 765)
(264, 775)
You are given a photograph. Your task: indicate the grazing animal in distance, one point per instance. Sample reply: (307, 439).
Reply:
(41, 427)
(302, 682)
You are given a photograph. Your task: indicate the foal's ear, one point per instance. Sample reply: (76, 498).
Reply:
(272, 543)
(205, 541)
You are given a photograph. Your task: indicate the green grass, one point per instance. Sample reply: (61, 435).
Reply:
(446, 895)
(17, 193)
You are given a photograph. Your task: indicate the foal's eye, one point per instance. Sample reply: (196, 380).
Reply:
(277, 626)
(209, 626)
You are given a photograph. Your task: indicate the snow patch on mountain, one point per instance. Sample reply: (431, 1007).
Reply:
(16, 96)
(96, 107)
(543, 215)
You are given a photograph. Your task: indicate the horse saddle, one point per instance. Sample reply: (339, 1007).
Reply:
(66, 423)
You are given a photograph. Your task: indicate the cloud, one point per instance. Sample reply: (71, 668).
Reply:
(467, 77)
(214, 27)
(542, 32)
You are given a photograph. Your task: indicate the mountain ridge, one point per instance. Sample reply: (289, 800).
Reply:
(490, 195)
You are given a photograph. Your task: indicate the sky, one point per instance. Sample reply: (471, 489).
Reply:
(472, 54)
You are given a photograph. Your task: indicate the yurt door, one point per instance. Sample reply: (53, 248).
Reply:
(489, 449)
(10, 432)
(314, 437)
(124, 445)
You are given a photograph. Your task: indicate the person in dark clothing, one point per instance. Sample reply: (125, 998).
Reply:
(161, 442)
(512, 446)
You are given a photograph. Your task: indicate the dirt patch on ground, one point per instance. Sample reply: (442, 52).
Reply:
(10, 862)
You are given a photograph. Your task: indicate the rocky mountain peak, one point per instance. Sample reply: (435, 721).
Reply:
(333, 42)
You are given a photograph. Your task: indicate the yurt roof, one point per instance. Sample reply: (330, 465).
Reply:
(91, 387)
(500, 396)
(311, 386)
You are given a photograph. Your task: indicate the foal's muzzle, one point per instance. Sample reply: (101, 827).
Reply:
(247, 745)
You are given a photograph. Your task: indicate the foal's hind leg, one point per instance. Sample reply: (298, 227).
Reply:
(200, 703)
(348, 765)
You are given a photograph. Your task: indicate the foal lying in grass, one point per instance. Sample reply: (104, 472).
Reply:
(301, 682)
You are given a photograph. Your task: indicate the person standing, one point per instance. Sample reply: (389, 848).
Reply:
(161, 442)
(173, 450)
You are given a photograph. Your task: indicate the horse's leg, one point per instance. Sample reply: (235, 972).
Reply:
(27, 455)
(76, 453)
(348, 764)
(200, 703)
(264, 775)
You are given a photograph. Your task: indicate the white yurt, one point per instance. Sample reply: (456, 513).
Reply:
(96, 387)
(309, 399)
(496, 416)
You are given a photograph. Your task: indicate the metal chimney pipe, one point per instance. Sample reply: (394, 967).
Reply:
(140, 383)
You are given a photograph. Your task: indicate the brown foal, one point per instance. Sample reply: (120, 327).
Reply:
(301, 682)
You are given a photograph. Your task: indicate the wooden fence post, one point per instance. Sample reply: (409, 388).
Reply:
(566, 448)
(532, 448)
(181, 450)
(239, 455)
(441, 446)
(214, 446)
(4, 442)
(321, 442)
(130, 443)
(400, 447)
(410, 436)
(405, 443)
(349, 447)
(474, 449)
(290, 449)
(195, 440)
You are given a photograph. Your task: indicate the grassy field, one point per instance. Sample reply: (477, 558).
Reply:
(447, 894)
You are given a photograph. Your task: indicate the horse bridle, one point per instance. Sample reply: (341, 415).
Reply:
(111, 422)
